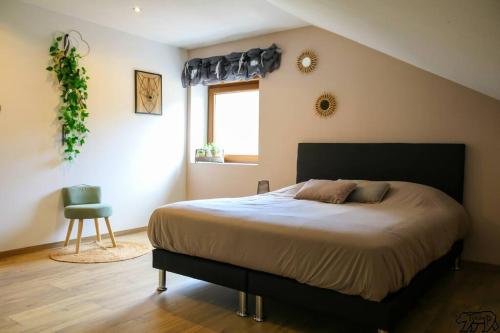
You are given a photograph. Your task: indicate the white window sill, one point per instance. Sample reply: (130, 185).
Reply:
(227, 163)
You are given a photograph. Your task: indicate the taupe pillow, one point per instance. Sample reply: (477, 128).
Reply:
(331, 191)
(369, 191)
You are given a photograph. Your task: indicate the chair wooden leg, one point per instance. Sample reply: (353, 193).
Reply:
(68, 233)
(111, 235)
(79, 236)
(97, 233)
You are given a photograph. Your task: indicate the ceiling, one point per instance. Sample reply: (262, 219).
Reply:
(456, 39)
(183, 23)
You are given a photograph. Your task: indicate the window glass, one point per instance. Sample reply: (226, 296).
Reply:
(236, 122)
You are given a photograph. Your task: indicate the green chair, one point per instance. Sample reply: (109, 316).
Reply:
(84, 202)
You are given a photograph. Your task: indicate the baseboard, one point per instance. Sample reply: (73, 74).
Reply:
(480, 266)
(34, 248)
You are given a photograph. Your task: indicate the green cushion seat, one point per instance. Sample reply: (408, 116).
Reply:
(87, 211)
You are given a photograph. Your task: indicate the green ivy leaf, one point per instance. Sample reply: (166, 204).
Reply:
(72, 81)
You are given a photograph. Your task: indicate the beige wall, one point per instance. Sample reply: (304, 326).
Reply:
(139, 160)
(380, 99)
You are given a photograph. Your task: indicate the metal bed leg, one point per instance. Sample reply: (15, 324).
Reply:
(259, 309)
(457, 264)
(161, 280)
(242, 304)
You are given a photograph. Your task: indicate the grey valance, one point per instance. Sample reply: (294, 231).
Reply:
(236, 66)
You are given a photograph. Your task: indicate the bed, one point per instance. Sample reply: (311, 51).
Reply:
(357, 261)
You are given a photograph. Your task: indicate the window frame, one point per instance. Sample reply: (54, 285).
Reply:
(229, 88)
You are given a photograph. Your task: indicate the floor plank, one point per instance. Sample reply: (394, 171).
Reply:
(41, 295)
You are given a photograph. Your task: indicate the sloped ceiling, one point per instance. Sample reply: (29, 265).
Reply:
(183, 23)
(456, 39)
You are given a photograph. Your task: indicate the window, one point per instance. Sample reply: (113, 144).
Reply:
(233, 120)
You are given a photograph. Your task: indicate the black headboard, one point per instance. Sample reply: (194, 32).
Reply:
(437, 165)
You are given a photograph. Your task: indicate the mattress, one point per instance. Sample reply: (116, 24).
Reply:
(369, 250)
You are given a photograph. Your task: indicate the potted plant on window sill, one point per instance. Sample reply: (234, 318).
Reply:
(209, 153)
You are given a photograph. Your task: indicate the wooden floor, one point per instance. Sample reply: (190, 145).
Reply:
(41, 295)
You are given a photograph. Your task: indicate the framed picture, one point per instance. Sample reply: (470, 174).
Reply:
(148, 93)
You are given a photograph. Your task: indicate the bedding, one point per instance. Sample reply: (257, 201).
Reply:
(369, 250)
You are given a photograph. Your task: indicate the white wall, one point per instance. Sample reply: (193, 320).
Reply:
(380, 99)
(456, 39)
(198, 119)
(139, 160)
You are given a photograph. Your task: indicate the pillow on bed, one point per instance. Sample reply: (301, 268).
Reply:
(368, 191)
(331, 191)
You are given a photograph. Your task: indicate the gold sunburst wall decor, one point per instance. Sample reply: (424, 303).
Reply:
(326, 105)
(307, 61)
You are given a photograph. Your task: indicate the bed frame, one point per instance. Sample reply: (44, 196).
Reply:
(437, 165)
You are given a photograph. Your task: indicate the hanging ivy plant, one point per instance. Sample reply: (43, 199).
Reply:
(72, 79)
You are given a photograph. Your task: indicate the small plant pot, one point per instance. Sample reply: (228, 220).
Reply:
(204, 155)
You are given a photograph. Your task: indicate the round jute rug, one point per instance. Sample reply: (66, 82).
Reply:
(99, 252)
